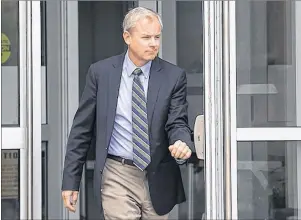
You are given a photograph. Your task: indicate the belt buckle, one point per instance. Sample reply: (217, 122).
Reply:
(122, 161)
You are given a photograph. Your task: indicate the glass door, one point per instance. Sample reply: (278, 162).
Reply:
(185, 49)
(265, 109)
(20, 110)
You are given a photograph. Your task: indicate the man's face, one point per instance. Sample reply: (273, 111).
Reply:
(143, 40)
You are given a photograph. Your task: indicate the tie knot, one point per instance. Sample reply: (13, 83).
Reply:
(137, 72)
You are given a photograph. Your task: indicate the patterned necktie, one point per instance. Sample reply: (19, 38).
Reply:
(141, 149)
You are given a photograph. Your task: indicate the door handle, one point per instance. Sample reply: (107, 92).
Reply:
(199, 136)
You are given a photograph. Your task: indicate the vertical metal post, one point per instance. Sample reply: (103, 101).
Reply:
(233, 92)
(297, 23)
(0, 116)
(70, 92)
(63, 77)
(36, 110)
(229, 102)
(213, 109)
(207, 68)
(190, 191)
(24, 175)
(29, 116)
(227, 107)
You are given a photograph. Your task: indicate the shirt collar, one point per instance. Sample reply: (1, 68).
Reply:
(130, 66)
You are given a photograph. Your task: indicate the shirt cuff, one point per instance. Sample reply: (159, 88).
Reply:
(180, 161)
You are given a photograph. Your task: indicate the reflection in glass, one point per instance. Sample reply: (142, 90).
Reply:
(266, 72)
(44, 181)
(189, 56)
(189, 50)
(10, 63)
(189, 36)
(193, 180)
(43, 63)
(93, 17)
(10, 184)
(267, 180)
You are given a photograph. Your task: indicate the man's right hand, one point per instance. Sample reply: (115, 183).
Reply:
(70, 199)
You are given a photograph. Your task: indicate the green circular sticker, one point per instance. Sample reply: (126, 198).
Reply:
(5, 48)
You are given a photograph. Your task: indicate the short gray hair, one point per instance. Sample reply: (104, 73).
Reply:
(136, 14)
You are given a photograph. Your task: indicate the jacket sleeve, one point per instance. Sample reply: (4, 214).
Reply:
(177, 126)
(80, 135)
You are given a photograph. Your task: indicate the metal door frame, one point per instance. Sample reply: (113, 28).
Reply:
(213, 84)
(27, 136)
(62, 74)
(213, 99)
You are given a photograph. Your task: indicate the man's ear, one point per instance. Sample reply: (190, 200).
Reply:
(127, 37)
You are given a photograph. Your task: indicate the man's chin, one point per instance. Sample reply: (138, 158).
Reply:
(152, 57)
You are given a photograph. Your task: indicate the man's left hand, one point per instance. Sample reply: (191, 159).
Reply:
(179, 150)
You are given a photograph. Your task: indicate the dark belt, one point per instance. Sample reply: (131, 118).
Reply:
(121, 160)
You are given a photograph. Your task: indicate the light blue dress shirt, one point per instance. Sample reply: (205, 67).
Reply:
(121, 140)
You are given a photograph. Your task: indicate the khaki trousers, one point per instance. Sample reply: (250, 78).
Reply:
(125, 193)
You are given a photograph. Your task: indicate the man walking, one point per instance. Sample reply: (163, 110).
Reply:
(135, 105)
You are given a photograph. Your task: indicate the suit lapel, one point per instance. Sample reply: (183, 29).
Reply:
(153, 88)
(113, 87)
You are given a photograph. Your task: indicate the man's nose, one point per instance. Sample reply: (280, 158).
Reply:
(153, 42)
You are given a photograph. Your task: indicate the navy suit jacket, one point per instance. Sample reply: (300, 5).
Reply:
(168, 122)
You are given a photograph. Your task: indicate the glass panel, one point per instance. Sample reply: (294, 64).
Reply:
(189, 56)
(93, 17)
(44, 62)
(10, 63)
(10, 184)
(91, 49)
(266, 70)
(190, 52)
(267, 180)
